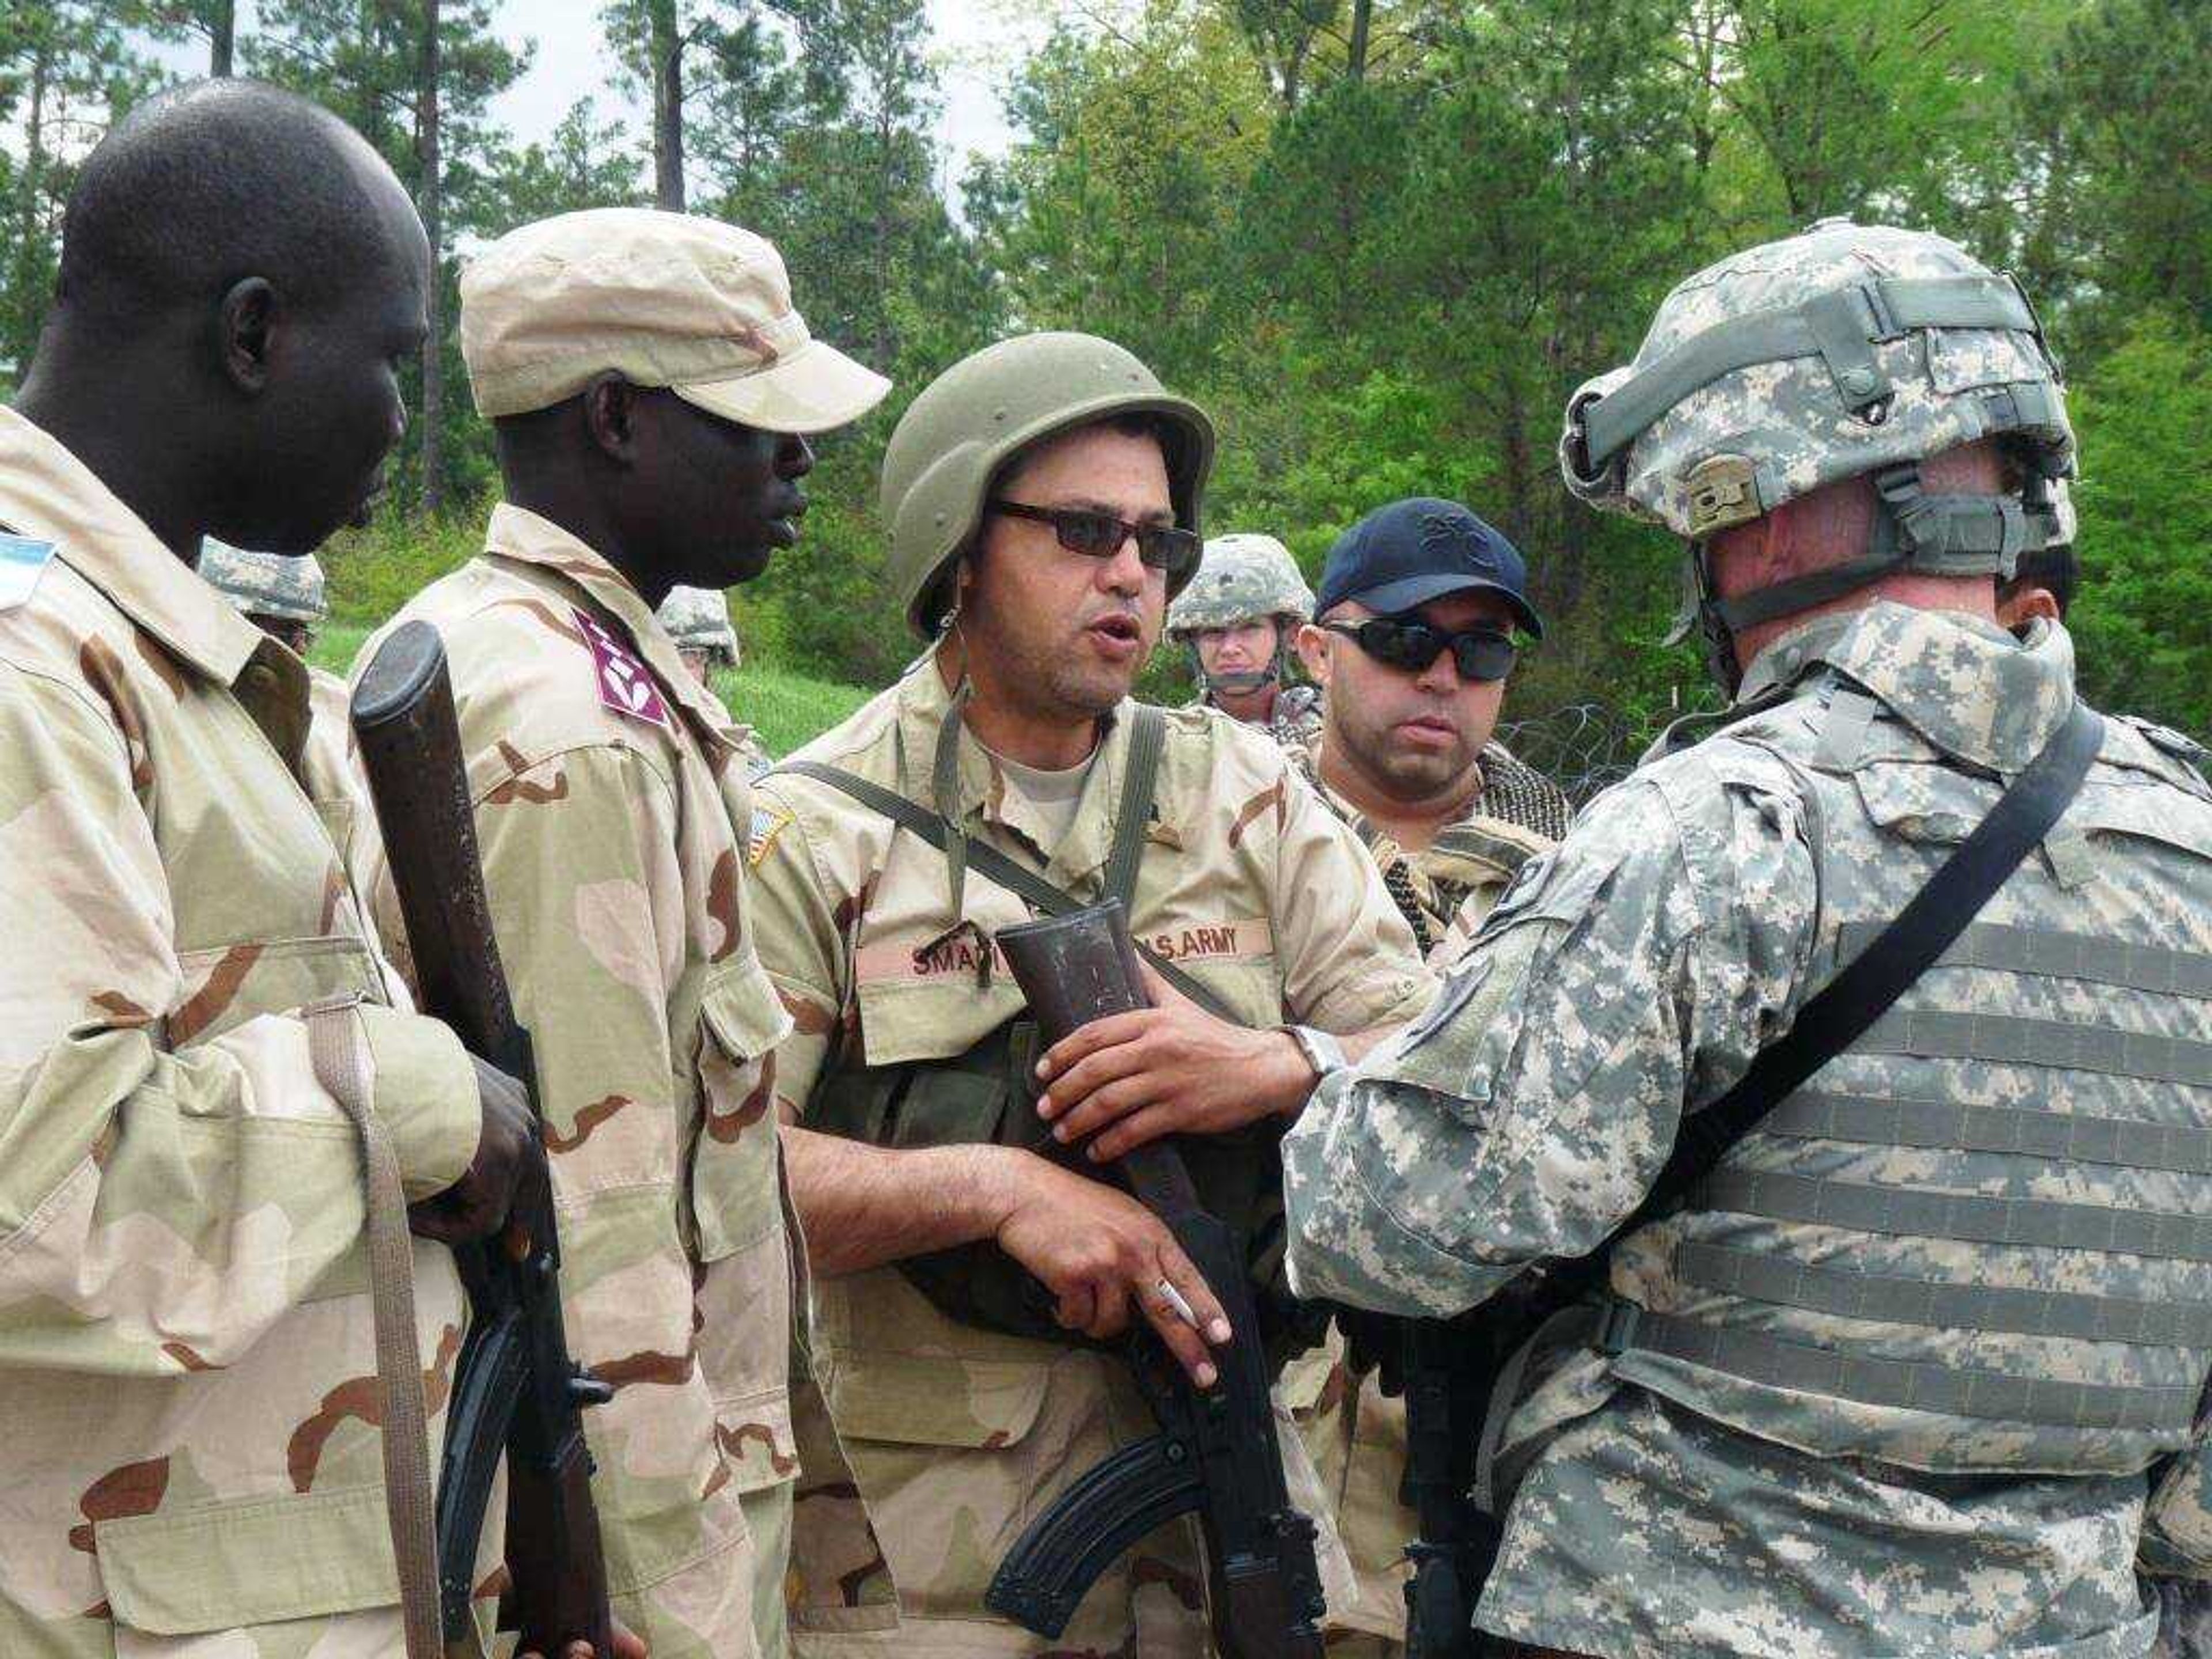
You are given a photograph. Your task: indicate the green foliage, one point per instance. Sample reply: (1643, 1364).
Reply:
(2142, 627)
(373, 570)
(786, 710)
(1381, 241)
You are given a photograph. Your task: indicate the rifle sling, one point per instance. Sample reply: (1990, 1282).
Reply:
(1133, 816)
(337, 1049)
(1837, 1016)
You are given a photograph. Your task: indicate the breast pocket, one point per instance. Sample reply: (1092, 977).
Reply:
(178, 1577)
(225, 985)
(734, 1179)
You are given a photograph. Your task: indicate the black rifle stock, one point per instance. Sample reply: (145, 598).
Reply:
(1216, 1454)
(516, 1391)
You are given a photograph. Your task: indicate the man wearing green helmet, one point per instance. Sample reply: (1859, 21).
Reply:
(1908, 1357)
(1237, 619)
(1041, 498)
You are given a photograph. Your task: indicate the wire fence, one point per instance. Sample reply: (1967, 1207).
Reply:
(1582, 747)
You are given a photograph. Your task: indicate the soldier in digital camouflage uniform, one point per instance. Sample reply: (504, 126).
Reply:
(1248, 600)
(649, 381)
(698, 620)
(285, 598)
(1449, 817)
(1905, 1378)
(189, 1393)
(1040, 498)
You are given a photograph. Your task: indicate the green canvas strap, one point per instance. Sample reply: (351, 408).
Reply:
(2011, 1131)
(1904, 1384)
(2050, 953)
(1133, 819)
(1847, 1294)
(2044, 1223)
(1019, 879)
(1841, 327)
(2017, 1040)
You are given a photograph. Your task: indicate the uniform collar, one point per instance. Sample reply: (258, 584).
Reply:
(517, 533)
(924, 700)
(46, 492)
(1965, 685)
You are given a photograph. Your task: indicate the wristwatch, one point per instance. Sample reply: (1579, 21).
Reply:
(1322, 1051)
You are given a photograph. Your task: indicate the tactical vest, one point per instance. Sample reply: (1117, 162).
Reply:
(987, 1095)
(1981, 1238)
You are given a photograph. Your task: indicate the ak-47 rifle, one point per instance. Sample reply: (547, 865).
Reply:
(1216, 1454)
(516, 1391)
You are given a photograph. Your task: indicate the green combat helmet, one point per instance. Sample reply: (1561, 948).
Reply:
(1242, 579)
(954, 439)
(265, 584)
(1848, 349)
(698, 619)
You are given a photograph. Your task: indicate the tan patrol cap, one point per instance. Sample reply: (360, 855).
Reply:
(662, 298)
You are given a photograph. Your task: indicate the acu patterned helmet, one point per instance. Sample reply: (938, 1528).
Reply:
(265, 584)
(698, 619)
(1848, 349)
(1242, 579)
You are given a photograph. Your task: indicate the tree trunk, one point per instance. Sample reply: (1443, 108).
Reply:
(431, 201)
(1355, 54)
(223, 37)
(667, 47)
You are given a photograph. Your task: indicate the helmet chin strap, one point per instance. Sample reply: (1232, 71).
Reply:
(1914, 530)
(1244, 682)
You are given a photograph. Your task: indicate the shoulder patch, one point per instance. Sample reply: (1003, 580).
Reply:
(22, 562)
(768, 823)
(625, 683)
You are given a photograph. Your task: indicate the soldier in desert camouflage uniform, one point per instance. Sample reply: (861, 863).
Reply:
(1236, 620)
(697, 619)
(1901, 1378)
(649, 380)
(188, 1392)
(1405, 755)
(1040, 497)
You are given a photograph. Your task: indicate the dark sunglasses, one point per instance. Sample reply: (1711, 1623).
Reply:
(1480, 653)
(1100, 536)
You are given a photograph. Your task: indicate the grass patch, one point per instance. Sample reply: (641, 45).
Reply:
(786, 709)
(337, 644)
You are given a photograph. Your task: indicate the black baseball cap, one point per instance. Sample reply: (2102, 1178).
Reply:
(1400, 556)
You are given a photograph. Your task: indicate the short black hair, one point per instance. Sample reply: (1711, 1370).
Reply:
(2057, 569)
(209, 184)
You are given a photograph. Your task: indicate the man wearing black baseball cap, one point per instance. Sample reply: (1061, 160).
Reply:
(1412, 641)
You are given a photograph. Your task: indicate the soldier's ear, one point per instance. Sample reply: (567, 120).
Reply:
(246, 323)
(611, 417)
(1313, 644)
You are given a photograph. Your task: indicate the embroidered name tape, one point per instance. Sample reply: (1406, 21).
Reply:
(625, 683)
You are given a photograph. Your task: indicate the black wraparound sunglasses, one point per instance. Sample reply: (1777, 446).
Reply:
(1480, 653)
(1100, 536)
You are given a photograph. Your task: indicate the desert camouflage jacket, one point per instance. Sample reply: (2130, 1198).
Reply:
(959, 1434)
(187, 1376)
(608, 792)
(1923, 1212)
